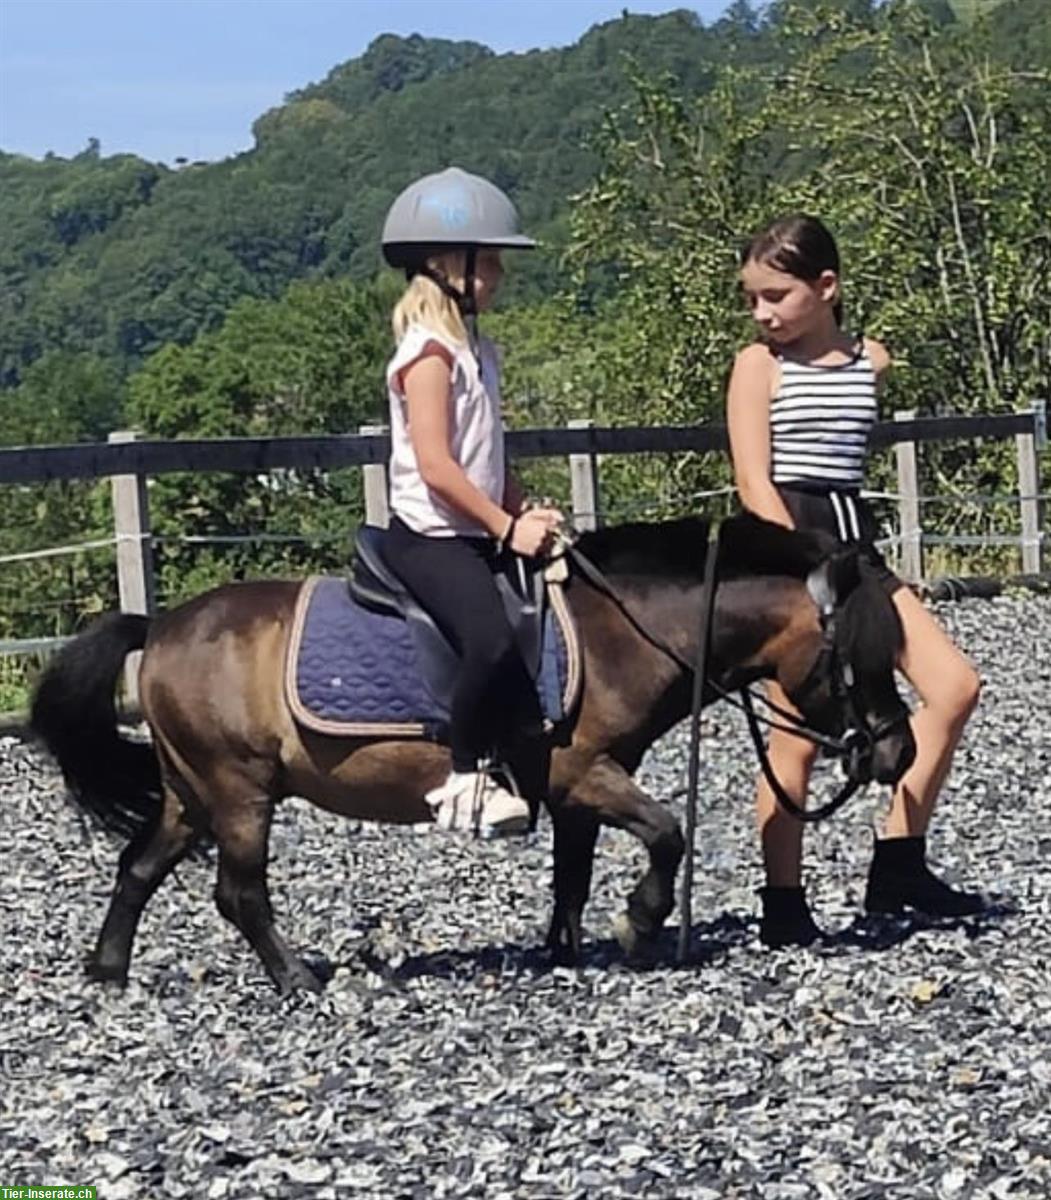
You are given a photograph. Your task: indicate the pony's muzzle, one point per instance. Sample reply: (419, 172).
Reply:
(893, 754)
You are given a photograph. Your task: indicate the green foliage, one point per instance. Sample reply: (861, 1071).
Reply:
(390, 64)
(63, 398)
(923, 140)
(119, 257)
(307, 364)
(927, 159)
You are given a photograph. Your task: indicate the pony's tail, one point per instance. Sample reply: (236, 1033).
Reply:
(114, 780)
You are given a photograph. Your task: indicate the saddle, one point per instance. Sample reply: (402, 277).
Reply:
(375, 586)
(365, 659)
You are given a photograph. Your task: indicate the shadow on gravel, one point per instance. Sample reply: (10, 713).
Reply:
(884, 933)
(710, 942)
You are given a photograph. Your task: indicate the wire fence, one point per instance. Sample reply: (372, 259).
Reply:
(723, 498)
(88, 575)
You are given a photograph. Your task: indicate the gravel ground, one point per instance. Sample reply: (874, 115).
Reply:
(898, 1059)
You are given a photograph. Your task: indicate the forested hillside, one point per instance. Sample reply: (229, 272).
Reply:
(242, 297)
(117, 256)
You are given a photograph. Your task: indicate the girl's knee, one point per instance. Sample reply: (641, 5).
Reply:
(968, 690)
(958, 696)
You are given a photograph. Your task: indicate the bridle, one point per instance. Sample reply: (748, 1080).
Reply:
(855, 746)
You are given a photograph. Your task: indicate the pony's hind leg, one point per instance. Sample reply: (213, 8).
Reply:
(241, 824)
(144, 864)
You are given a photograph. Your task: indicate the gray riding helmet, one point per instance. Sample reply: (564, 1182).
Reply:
(451, 208)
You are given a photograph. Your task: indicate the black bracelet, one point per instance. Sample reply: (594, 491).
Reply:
(505, 541)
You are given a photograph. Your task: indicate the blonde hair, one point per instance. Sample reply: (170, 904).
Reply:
(423, 302)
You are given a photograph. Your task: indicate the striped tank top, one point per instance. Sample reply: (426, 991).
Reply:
(820, 420)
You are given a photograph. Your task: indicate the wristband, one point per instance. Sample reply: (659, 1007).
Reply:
(505, 541)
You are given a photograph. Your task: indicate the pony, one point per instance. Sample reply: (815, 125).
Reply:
(226, 749)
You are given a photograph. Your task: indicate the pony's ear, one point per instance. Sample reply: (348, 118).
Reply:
(833, 581)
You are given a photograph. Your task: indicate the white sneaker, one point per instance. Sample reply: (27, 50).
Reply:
(471, 801)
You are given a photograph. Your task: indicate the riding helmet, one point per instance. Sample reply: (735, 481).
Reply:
(451, 208)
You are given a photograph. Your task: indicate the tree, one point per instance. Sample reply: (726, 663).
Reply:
(311, 362)
(63, 398)
(927, 158)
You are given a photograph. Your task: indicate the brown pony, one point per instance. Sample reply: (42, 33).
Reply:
(226, 748)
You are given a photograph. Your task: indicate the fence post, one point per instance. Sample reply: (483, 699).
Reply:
(1029, 490)
(377, 509)
(909, 505)
(135, 584)
(583, 482)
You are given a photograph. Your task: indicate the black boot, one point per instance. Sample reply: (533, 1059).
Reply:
(899, 878)
(786, 918)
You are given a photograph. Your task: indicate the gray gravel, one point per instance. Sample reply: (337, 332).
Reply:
(894, 1060)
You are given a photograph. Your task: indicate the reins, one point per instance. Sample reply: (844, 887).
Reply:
(795, 724)
(806, 815)
(699, 676)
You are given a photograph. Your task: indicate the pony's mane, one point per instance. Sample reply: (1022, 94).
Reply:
(748, 545)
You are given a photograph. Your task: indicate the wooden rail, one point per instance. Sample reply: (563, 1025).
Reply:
(141, 456)
(129, 460)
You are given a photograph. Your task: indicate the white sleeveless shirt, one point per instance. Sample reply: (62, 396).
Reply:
(476, 435)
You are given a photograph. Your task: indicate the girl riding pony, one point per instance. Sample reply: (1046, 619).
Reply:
(454, 506)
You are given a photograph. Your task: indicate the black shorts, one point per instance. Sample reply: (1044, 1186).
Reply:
(844, 514)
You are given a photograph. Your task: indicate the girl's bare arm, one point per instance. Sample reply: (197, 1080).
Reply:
(748, 421)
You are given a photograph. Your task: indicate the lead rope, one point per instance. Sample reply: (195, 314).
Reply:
(693, 770)
(481, 776)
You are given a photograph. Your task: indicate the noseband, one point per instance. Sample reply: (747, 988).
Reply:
(858, 743)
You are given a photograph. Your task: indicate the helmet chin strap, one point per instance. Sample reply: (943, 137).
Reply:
(469, 304)
(466, 301)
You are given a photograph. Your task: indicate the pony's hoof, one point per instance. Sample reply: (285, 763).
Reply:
(637, 946)
(115, 974)
(625, 933)
(300, 978)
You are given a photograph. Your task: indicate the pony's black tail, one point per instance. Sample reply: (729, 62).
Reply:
(115, 781)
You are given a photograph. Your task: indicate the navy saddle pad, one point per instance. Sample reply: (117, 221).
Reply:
(353, 671)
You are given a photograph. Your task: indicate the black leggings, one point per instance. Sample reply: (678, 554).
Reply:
(452, 578)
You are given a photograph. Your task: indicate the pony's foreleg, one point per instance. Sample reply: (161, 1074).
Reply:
(143, 866)
(241, 824)
(575, 832)
(619, 802)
